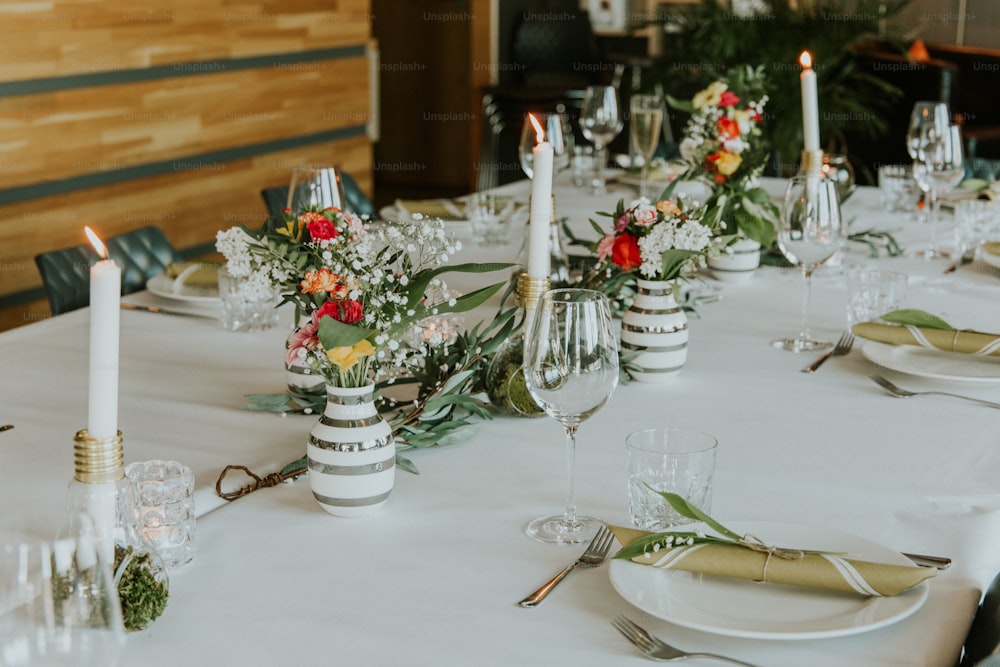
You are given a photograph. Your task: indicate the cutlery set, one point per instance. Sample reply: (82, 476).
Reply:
(652, 647)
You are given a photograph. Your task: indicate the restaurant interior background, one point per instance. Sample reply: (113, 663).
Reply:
(178, 113)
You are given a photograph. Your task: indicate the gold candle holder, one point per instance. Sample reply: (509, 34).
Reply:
(812, 162)
(529, 290)
(98, 460)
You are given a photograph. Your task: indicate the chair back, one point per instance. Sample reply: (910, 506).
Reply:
(983, 640)
(141, 253)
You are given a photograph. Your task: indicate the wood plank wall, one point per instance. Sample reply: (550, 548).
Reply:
(120, 114)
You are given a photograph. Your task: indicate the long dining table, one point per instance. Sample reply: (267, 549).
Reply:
(434, 576)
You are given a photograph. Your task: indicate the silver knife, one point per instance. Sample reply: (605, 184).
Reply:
(157, 309)
(940, 562)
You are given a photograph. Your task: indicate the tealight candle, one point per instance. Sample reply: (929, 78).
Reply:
(105, 305)
(541, 204)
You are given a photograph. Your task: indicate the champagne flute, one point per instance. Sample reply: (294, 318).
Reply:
(557, 134)
(315, 186)
(600, 122)
(571, 369)
(810, 231)
(645, 121)
(939, 167)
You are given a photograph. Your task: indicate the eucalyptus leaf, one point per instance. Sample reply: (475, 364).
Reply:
(917, 318)
(406, 464)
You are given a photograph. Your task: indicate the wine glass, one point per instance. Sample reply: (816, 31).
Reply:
(939, 167)
(926, 118)
(645, 122)
(58, 603)
(557, 133)
(571, 369)
(315, 186)
(600, 121)
(810, 230)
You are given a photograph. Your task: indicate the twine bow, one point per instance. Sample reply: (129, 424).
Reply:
(754, 543)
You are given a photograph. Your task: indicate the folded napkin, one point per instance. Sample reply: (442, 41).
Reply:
(965, 341)
(991, 248)
(431, 208)
(194, 273)
(779, 566)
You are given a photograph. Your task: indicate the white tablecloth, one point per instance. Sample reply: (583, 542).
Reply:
(433, 578)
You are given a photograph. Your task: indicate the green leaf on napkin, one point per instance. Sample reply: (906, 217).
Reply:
(917, 318)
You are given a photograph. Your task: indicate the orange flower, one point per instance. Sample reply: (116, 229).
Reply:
(324, 280)
(728, 128)
(668, 207)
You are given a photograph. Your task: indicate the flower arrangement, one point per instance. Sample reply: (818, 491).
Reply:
(657, 241)
(723, 143)
(360, 288)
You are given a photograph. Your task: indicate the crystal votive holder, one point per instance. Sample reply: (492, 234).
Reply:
(164, 495)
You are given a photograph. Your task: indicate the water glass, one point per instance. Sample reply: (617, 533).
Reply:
(490, 217)
(897, 189)
(248, 304)
(871, 293)
(676, 460)
(583, 165)
(165, 508)
(976, 221)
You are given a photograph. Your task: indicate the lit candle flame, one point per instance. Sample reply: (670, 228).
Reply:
(806, 60)
(101, 249)
(539, 130)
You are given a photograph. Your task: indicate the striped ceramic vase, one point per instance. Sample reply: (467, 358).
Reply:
(351, 454)
(738, 263)
(654, 333)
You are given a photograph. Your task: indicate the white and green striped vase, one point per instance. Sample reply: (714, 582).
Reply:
(352, 454)
(654, 333)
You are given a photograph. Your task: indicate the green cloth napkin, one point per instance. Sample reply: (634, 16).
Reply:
(432, 208)
(965, 341)
(825, 571)
(206, 274)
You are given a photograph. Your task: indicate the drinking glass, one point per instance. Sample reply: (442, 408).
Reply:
(645, 121)
(810, 230)
(571, 369)
(600, 121)
(924, 116)
(557, 133)
(939, 167)
(58, 603)
(315, 186)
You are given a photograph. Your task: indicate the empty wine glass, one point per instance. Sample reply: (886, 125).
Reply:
(58, 603)
(939, 167)
(600, 122)
(557, 133)
(810, 230)
(645, 122)
(571, 369)
(315, 186)
(927, 118)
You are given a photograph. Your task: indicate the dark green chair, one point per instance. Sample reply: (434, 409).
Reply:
(276, 199)
(142, 253)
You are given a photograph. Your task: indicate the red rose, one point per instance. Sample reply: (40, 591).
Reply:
(347, 311)
(728, 99)
(625, 252)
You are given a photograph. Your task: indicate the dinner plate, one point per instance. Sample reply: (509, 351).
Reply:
(936, 364)
(990, 258)
(163, 286)
(742, 608)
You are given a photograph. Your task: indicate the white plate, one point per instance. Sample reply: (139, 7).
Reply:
(163, 286)
(741, 608)
(989, 258)
(936, 364)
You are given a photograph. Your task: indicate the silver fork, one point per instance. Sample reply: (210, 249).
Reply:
(595, 554)
(658, 649)
(842, 347)
(899, 392)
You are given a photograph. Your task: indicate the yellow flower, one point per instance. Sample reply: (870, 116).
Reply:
(710, 96)
(290, 231)
(345, 357)
(728, 163)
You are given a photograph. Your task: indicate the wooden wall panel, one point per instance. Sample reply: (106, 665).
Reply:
(56, 135)
(119, 114)
(189, 206)
(71, 37)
